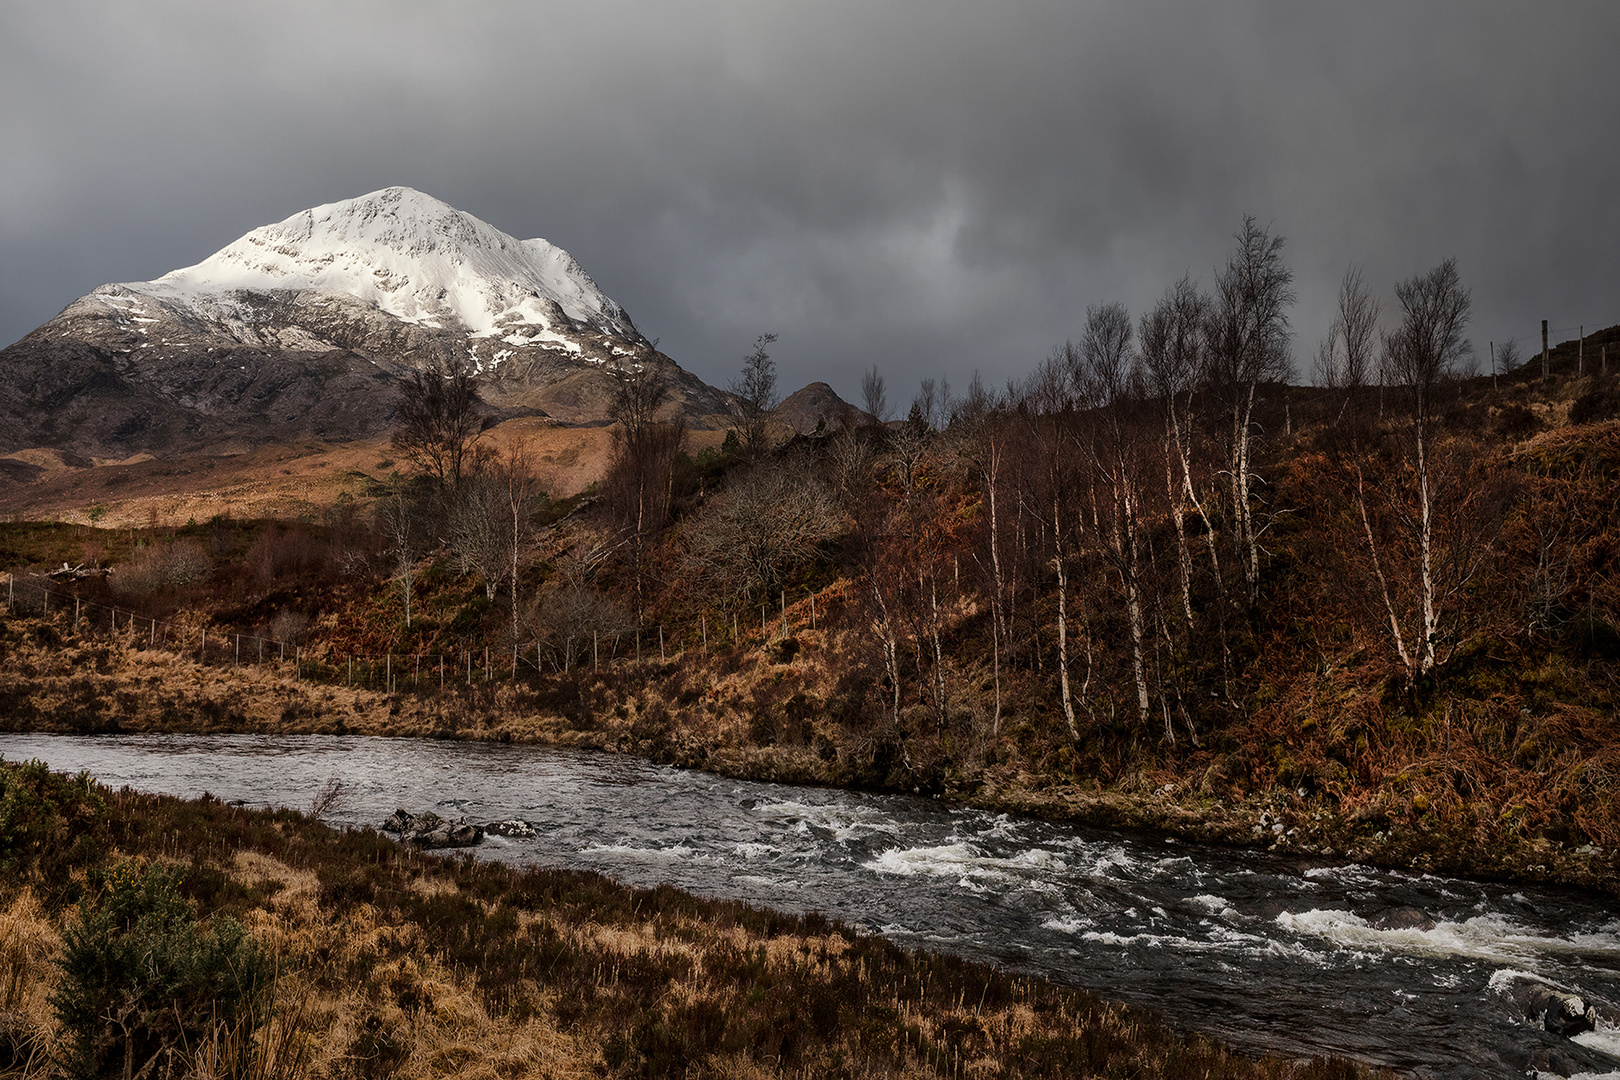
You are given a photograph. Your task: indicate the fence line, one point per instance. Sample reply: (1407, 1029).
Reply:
(466, 667)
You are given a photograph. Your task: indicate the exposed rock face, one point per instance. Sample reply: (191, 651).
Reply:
(302, 328)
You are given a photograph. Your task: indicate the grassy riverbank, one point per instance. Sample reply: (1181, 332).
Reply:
(757, 715)
(380, 961)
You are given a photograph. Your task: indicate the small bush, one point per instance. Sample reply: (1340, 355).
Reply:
(48, 822)
(289, 626)
(141, 982)
(168, 566)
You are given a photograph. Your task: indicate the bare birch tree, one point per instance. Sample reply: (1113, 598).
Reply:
(1248, 339)
(640, 482)
(1171, 342)
(403, 525)
(1110, 378)
(1422, 355)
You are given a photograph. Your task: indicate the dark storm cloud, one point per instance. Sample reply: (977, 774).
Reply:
(931, 186)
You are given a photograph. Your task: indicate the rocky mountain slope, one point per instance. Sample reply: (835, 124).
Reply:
(301, 328)
(818, 406)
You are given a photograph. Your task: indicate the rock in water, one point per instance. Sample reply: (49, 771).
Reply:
(1560, 1012)
(429, 830)
(515, 829)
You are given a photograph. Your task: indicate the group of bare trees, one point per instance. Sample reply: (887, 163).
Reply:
(468, 498)
(1107, 527)
(479, 505)
(1115, 521)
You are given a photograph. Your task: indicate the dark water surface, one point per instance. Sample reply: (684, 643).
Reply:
(1413, 971)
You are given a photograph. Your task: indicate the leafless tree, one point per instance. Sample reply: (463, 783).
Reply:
(850, 460)
(1347, 357)
(1248, 339)
(1508, 357)
(766, 521)
(569, 608)
(1110, 383)
(491, 518)
(874, 396)
(1173, 361)
(438, 419)
(402, 522)
(754, 393)
(640, 481)
(524, 492)
(1422, 355)
(984, 447)
(932, 406)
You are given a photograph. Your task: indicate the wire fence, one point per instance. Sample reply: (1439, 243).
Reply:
(477, 661)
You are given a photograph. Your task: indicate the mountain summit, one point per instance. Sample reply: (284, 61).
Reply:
(301, 327)
(418, 259)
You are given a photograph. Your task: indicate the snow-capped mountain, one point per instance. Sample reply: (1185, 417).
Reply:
(299, 327)
(409, 255)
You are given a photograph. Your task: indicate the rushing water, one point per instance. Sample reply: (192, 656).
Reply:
(1418, 972)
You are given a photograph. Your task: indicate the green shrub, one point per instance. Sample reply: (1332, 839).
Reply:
(142, 982)
(48, 822)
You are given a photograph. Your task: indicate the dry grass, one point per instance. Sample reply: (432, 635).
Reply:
(29, 941)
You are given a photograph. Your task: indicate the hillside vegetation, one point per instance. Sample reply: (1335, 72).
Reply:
(1154, 584)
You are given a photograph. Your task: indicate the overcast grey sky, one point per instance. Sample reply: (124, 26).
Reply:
(933, 186)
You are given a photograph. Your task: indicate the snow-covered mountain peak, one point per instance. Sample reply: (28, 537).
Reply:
(414, 257)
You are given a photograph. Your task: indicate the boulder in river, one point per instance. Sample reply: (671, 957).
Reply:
(1559, 1011)
(515, 829)
(429, 830)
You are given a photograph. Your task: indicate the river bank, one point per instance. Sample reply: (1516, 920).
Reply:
(396, 963)
(763, 720)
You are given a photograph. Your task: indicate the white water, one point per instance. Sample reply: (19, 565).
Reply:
(1413, 971)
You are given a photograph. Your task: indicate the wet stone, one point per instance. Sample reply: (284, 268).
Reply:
(429, 830)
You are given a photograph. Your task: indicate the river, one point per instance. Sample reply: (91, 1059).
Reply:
(1427, 974)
